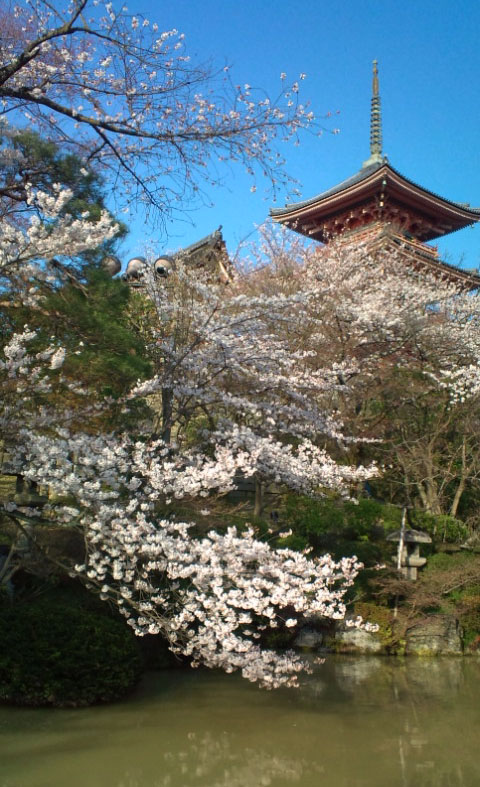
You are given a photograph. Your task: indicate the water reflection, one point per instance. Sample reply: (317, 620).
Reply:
(219, 764)
(415, 678)
(357, 722)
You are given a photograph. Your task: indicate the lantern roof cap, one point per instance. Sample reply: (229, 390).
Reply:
(410, 536)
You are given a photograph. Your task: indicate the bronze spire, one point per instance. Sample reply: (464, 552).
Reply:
(376, 156)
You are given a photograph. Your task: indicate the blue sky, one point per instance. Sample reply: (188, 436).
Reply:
(429, 67)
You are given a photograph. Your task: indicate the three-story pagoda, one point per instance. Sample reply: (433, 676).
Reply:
(380, 207)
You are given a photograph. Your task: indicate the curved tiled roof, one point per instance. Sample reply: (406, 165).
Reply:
(209, 241)
(345, 184)
(362, 175)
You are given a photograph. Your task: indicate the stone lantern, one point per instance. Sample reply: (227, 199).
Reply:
(409, 560)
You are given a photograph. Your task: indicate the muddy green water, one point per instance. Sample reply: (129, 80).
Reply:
(357, 722)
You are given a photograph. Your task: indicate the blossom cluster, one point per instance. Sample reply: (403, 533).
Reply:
(26, 383)
(212, 595)
(116, 89)
(50, 233)
(368, 307)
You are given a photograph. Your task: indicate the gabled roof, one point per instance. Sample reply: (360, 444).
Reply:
(209, 251)
(212, 241)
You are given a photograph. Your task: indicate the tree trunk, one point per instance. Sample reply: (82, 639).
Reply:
(461, 484)
(259, 498)
(167, 412)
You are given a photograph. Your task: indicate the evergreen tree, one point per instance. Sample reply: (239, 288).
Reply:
(80, 306)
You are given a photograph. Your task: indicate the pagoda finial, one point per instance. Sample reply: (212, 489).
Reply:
(375, 79)
(376, 156)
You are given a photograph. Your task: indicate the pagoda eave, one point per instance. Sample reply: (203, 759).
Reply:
(377, 194)
(421, 257)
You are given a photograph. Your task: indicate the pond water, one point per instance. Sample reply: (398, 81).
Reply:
(356, 722)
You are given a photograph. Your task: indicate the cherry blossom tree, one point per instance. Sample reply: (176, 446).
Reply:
(211, 594)
(363, 304)
(409, 342)
(52, 219)
(50, 234)
(124, 97)
(234, 357)
(248, 379)
(227, 371)
(120, 92)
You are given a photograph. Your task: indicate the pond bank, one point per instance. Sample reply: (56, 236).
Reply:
(437, 635)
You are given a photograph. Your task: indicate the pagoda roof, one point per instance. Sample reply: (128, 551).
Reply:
(421, 256)
(345, 184)
(383, 208)
(373, 179)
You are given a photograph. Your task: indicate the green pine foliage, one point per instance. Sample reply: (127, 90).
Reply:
(84, 310)
(42, 164)
(92, 324)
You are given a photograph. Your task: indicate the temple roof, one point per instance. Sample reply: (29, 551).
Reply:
(376, 193)
(345, 184)
(417, 255)
(208, 254)
(373, 180)
(209, 242)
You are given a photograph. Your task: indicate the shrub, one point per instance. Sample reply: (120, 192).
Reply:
(58, 653)
(460, 563)
(441, 527)
(342, 527)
